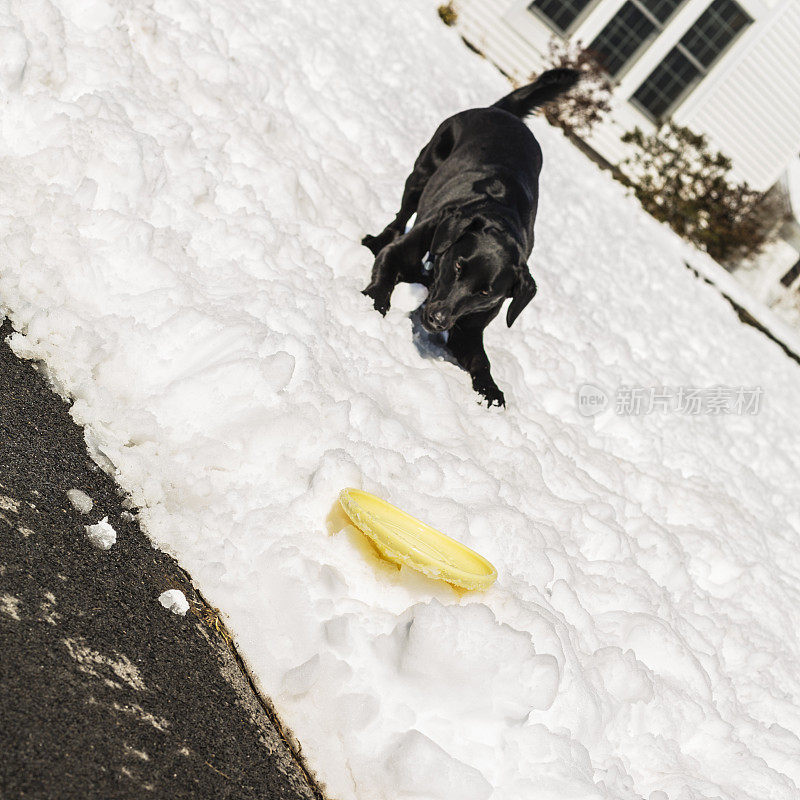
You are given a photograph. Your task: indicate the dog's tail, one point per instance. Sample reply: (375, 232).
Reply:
(545, 88)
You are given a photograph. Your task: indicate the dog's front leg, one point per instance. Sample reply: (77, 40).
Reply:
(399, 261)
(415, 183)
(385, 276)
(428, 161)
(465, 342)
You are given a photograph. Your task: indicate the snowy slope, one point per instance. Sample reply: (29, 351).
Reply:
(184, 184)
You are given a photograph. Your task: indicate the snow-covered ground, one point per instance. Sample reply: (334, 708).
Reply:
(184, 185)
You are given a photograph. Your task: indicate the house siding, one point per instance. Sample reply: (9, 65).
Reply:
(752, 110)
(748, 105)
(484, 25)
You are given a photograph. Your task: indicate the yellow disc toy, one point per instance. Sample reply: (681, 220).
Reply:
(403, 539)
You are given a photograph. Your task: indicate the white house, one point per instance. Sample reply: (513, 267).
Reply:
(726, 68)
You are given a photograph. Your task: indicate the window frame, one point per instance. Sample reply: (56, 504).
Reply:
(658, 28)
(703, 72)
(540, 16)
(790, 276)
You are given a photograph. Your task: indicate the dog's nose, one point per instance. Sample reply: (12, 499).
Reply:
(435, 318)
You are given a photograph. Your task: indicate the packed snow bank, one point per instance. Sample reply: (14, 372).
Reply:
(184, 185)
(738, 289)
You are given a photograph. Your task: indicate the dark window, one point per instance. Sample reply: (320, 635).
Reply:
(637, 22)
(713, 32)
(662, 10)
(622, 37)
(666, 82)
(689, 61)
(561, 13)
(789, 278)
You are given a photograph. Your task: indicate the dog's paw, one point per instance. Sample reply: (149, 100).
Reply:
(372, 243)
(489, 392)
(377, 243)
(380, 297)
(495, 399)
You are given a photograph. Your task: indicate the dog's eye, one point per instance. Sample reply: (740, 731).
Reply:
(458, 266)
(485, 292)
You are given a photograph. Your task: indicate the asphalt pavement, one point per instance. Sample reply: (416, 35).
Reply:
(104, 693)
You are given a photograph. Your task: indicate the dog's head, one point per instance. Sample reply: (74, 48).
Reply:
(477, 265)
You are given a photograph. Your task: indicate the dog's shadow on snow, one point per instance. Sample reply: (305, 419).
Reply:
(429, 345)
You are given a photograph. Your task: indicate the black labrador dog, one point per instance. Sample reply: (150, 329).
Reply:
(475, 190)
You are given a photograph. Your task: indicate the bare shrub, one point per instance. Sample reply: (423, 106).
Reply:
(679, 180)
(586, 105)
(448, 13)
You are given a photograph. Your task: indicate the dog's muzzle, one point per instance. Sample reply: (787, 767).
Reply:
(436, 319)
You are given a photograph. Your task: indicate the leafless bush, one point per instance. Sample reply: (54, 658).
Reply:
(448, 13)
(679, 180)
(580, 110)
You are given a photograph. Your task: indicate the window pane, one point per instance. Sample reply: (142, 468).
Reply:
(666, 83)
(562, 13)
(789, 278)
(714, 30)
(622, 37)
(661, 9)
(704, 42)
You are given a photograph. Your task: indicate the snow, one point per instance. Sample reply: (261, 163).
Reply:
(174, 600)
(102, 535)
(183, 188)
(745, 285)
(420, 768)
(80, 501)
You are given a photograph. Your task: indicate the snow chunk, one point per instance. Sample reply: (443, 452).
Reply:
(101, 535)
(175, 600)
(420, 767)
(469, 661)
(80, 501)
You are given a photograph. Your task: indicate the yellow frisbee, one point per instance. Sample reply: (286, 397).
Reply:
(403, 539)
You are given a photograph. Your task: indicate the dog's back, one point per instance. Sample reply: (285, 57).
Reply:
(494, 136)
(486, 143)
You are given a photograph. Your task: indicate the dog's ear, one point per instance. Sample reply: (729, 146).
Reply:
(449, 230)
(522, 292)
